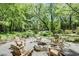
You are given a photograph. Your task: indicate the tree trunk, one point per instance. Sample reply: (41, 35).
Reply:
(52, 16)
(70, 22)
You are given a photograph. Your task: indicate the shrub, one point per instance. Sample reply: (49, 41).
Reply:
(3, 38)
(58, 31)
(0, 37)
(68, 31)
(77, 30)
(76, 40)
(45, 33)
(70, 39)
(24, 35)
(28, 34)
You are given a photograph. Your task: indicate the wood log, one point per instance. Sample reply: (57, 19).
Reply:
(54, 52)
(37, 48)
(18, 52)
(40, 48)
(27, 53)
(15, 50)
(42, 43)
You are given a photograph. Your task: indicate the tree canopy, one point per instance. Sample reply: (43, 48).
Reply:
(38, 17)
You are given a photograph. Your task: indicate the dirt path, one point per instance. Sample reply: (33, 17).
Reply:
(70, 49)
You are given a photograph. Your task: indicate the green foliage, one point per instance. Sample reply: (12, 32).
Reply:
(26, 20)
(76, 40)
(73, 39)
(70, 39)
(28, 33)
(68, 31)
(45, 33)
(11, 36)
(77, 30)
(6, 36)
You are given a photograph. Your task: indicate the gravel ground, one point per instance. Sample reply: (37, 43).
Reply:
(70, 49)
